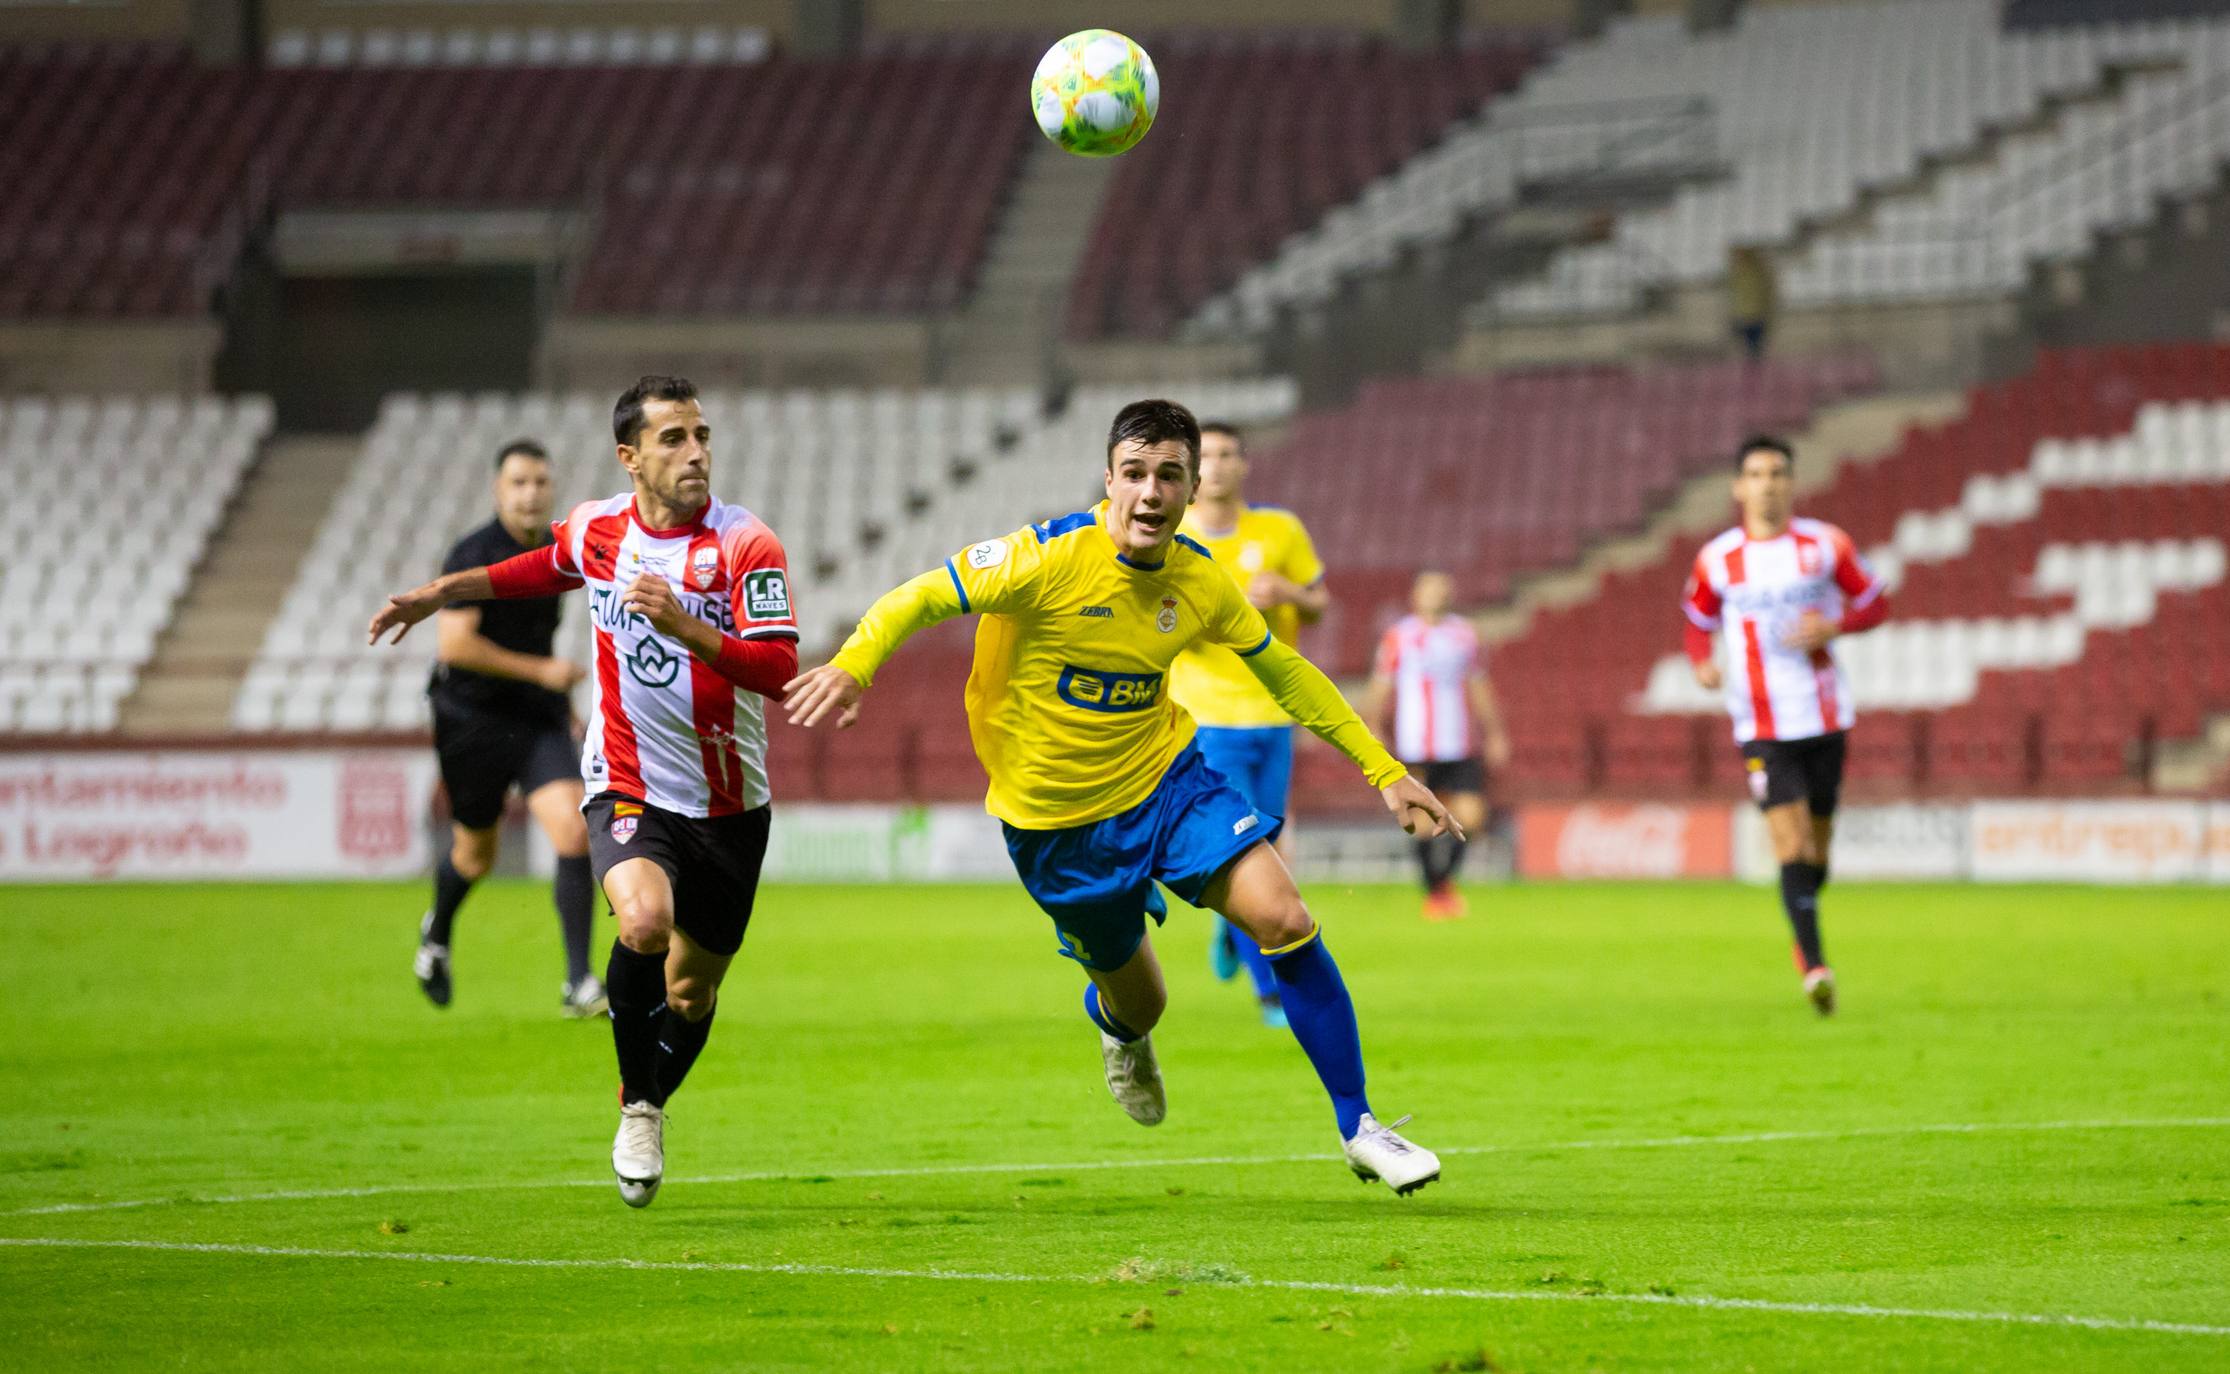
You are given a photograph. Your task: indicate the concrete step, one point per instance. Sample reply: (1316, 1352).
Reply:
(188, 687)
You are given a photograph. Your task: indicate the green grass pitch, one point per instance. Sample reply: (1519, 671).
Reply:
(240, 1139)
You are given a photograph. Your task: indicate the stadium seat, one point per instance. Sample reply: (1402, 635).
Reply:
(183, 458)
(2057, 558)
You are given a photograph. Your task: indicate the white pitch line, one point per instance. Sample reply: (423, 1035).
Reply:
(1355, 1290)
(1142, 1162)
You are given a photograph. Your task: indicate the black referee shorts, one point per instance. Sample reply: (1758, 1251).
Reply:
(484, 753)
(1792, 770)
(711, 861)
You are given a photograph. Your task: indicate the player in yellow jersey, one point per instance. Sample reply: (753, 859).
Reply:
(1096, 778)
(1244, 734)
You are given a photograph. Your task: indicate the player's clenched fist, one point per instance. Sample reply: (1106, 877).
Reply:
(652, 597)
(812, 695)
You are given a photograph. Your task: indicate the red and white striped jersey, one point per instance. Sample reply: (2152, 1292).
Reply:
(1759, 589)
(1431, 666)
(663, 726)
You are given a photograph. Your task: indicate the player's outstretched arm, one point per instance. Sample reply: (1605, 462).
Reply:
(534, 573)
(811, 695)
(1311, 698)
(896, 615)
(405, 609)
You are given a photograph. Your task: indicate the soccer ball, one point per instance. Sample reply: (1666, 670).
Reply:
(1095, 93)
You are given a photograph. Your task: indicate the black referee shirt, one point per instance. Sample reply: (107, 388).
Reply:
(526, 625)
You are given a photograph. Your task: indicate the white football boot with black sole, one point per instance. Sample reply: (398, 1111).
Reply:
(639, 1153)
(1377, 1155)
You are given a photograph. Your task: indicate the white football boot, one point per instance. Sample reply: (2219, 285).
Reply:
(639, 1152)
(1134, 1078)
(584, 999)
(1376, 1154)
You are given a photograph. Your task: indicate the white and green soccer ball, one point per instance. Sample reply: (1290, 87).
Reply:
(1095, 93)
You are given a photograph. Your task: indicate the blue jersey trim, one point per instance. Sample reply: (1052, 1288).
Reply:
(1127, 561)
(1191, 543)
(1066, 524)
(1250, 653)
(954, 569)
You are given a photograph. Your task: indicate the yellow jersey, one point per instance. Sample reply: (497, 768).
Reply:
(1209, 681)
(1068, 701)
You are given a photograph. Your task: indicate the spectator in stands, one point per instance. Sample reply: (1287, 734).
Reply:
(1752, 297)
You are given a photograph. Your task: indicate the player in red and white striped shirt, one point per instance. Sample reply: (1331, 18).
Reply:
(1431, 675)
(690, 602)
(1783, 588)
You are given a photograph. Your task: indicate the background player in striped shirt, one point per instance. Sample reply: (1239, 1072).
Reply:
(1431, 677)
(1783, 588)
(502, 720)
(689, 600)
(1095, 778)
(1244, 734)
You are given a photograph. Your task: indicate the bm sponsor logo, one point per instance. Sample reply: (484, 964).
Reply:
(1112, 692)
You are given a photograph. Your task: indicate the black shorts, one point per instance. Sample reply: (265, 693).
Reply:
(1448, 777)
(483, 753)
(712, 861)
(1796, 770)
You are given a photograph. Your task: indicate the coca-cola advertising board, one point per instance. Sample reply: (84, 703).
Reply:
(68, 817)
(1624, 840)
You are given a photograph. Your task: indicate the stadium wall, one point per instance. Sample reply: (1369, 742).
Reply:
(139, 358)
(364, 813)
(93, 21)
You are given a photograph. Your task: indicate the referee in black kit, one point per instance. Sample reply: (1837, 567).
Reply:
(501, 717)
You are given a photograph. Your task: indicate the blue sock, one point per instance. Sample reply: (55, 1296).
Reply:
(1101, 1019)
(1254, 960)
(1323, 1018)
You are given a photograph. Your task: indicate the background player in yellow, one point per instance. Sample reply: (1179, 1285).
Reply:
(1244, 734)
(1095, 775)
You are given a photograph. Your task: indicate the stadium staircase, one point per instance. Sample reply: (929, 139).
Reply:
(254, 556)
(1009, 331)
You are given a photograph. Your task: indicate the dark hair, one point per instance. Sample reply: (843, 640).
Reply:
(1771, 444)
(521, 446)
(1238, 435)
(1156, 422)
(627, 412)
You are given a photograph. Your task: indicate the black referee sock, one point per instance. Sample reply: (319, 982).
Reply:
(450, 888)
(636, 986)
(575, 896)
(679, 1040)
(1800, 897)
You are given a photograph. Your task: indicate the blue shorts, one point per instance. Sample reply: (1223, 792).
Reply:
(1097, 881)
(1256, 759)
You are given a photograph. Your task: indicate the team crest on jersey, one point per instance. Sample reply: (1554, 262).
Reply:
(1807, 558)
(625, 817)
(704, 567)
(1250, 558)
(1166, 622)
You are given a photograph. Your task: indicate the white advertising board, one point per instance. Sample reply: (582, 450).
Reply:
(2090, 841)
(68, 817)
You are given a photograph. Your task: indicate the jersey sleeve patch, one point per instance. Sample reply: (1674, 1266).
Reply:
(988, 554)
